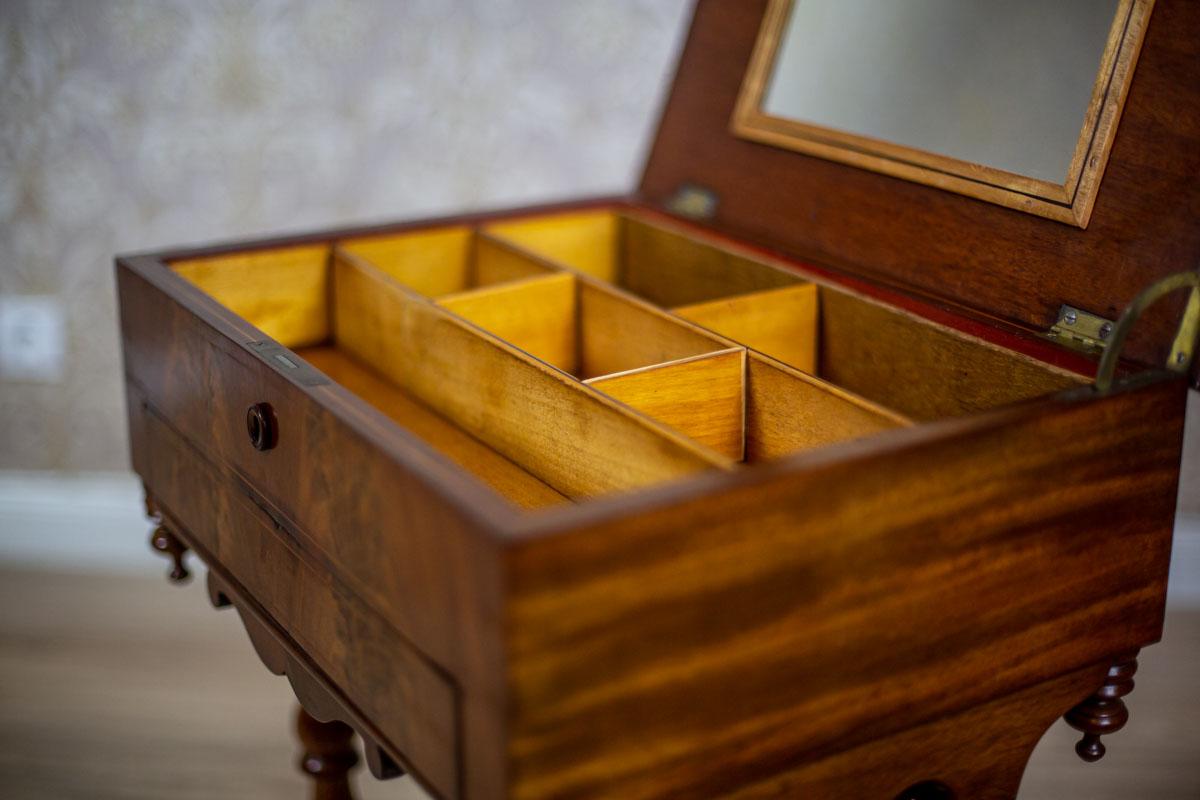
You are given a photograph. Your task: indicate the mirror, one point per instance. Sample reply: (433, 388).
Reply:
(1011, 101)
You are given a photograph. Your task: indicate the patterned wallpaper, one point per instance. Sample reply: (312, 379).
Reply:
(143, 123)
(134, 124)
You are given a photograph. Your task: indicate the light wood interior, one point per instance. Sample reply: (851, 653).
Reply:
(781, 323)
(580, 326)
(916, 367)
(701, 397)
(498, 472)
(441, 261)
(748, 407)
(788, 410)
(922, 369)
(659, 263)
(566, 356)
(570, 436)
(584, 240)
(283, 292)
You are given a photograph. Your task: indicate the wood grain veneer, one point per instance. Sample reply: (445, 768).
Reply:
(781, 323)
(840, 596)
(892, 573)
(494, 516)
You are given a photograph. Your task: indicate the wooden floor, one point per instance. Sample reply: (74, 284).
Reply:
(130, 688)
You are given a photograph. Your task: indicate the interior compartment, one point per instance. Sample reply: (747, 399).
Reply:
(788, 410)
(920, 368)
(781, 323)
(563, 357)
(568, 435)
(746, 406)
(581, 327)
(912, 365)
(445, 260)
(702, 397)
(283, 291)
(667, 266)
(500, 473)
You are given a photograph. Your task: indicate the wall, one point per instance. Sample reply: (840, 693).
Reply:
(139, 124)
(136, 124)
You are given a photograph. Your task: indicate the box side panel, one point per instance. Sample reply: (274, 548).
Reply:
(841, 598)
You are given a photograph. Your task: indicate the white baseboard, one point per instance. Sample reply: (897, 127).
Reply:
(1183, 588)
(91, 522)
(94, 522)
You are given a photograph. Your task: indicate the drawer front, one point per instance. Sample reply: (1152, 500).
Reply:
(381, 526)
(408, 699)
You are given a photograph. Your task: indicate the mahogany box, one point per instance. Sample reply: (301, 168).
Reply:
(793, 473)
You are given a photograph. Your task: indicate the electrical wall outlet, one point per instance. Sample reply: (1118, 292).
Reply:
(33, 338)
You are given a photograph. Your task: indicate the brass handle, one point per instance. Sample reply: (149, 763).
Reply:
(260, 424)
(1182, 349)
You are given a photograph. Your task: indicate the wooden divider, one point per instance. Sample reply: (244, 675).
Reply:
(702, 397)
(672, 267)
(781, 323)
(440, 261)
(569, 435)
(585, 241)
(501, 474)
(282, 291)
(581, 326)
(788, 410)
(538, 315)
(618, 333)
(549, 384)
(651, 259)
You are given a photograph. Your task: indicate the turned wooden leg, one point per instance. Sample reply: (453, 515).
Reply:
(167, 543)
(1104, 712)
(328, 756)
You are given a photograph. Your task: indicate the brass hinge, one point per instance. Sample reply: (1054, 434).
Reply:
(1080, 330)
(693, 202)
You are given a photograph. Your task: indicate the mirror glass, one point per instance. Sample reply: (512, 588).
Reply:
(1004, 83)
(981, 97)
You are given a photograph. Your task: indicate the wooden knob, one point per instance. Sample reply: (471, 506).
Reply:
(260, 424)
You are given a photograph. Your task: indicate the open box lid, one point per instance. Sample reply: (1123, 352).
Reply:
(973, 255)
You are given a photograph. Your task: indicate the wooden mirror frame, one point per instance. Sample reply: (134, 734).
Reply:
(1070, 201)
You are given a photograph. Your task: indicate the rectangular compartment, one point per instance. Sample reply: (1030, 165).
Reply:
(746, 406)
(282, 291)
(788, 410)
(665, 265)
(915, 366)
(703, 397)
(444, 260)
(580, 326)
(781, 323)
(451, 331)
